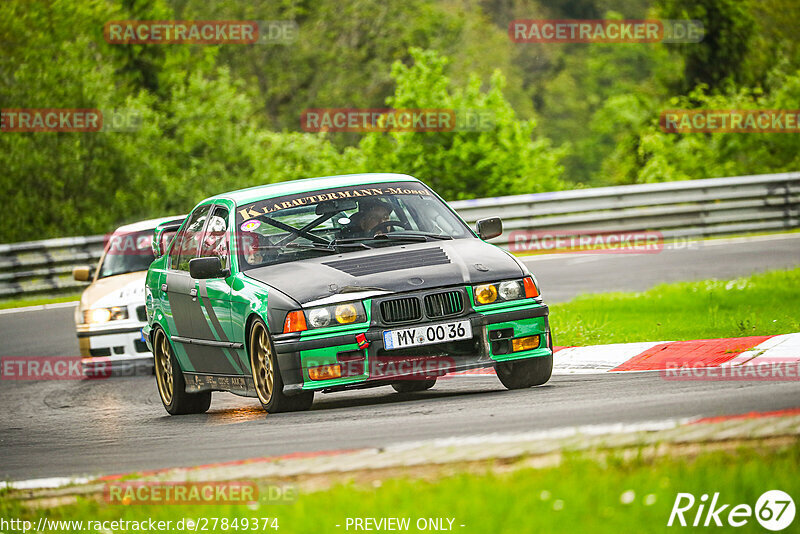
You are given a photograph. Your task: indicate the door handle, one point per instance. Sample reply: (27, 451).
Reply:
(193, 292)
(163, 287)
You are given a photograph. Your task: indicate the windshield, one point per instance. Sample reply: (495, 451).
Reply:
(126, 253)
(339, 220)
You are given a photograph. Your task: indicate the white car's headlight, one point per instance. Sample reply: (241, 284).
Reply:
(104, 315)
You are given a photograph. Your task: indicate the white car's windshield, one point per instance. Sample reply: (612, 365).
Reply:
(126, 253)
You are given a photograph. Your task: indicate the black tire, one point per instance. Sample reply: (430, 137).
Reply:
(525, 373)
(413, 386)
(171, 383)
(267, 374)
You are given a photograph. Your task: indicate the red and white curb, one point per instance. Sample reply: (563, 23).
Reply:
(663, 355)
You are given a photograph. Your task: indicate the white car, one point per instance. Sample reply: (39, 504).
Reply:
(111, 313)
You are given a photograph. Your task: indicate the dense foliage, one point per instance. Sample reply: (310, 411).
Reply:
(216, 118)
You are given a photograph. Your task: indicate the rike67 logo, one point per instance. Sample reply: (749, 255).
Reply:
(774, 510)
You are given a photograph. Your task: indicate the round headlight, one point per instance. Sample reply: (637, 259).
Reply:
(319, 317)
(510, 290)
(486, 294)
(100, 315)
(346, 313)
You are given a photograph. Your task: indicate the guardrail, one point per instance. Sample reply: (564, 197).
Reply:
(45, 267)
(694, 208)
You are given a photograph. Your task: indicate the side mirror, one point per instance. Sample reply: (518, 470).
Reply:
(82, 273)
(489, 227)
(209, 267)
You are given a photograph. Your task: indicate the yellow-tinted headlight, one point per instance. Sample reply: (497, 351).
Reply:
(103, 315)
(100, 315)
(346, 313)
(485, 294)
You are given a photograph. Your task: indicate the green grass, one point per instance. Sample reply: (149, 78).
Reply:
(762, 304)
(580, 495)
(36, 301)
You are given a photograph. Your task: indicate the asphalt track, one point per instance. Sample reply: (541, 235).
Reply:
(62, 428)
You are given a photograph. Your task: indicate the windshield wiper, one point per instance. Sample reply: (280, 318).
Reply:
(420, 237)
(330, 247)
(412, 236)
(431, 235)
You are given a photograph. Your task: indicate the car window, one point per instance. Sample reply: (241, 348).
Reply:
(186, 244)
(215, 237)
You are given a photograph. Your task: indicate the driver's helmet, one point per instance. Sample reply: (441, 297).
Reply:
(370, 204)
(251, 243)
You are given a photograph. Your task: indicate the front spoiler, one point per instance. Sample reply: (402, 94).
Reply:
(289, 346)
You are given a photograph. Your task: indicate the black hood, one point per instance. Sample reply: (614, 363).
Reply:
(398, 268)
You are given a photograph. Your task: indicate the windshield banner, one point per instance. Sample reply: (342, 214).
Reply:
(357, 192)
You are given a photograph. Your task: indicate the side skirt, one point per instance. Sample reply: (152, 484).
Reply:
(236, 384)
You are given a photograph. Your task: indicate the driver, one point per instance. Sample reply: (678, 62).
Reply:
(254, 248)
(371, 213)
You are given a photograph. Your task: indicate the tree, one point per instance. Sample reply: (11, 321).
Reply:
(463, 164)
(720, 56)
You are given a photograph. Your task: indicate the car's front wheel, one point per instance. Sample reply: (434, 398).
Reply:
(171, 383)
(267, 375)
(525, 373)
(411, 386)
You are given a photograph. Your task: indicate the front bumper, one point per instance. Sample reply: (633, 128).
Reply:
(375, 365)
(118, 347)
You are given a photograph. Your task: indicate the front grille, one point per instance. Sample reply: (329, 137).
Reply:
(395, 261)
(401, 310)
(443, 304)
(141, 313)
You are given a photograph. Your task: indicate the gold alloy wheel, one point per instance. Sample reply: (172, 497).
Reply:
(261, 363)
(164, 375)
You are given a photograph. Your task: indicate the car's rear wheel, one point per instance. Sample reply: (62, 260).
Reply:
(171, 383)
(520, 374)
(411, 386)
(267, 375)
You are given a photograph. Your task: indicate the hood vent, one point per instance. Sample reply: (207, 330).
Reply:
(396, 261)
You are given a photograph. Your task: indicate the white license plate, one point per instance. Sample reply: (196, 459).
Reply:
(426, 334)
